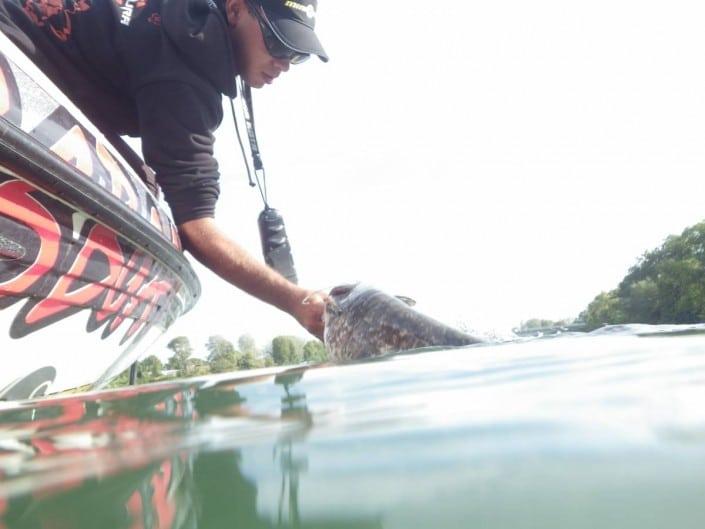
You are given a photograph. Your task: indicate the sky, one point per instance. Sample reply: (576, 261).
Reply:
(495, 161)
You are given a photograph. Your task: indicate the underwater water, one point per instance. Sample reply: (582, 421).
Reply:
(588, 430)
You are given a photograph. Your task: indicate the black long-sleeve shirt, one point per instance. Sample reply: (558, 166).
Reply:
(149, 68)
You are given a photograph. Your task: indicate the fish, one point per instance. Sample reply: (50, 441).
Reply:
(362, 321)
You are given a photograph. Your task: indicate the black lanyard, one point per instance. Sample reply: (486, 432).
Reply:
(249, 117)
(275, 243)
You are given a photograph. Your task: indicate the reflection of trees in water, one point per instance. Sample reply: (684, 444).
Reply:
(205, 490)
(226, 499)
(293, 407)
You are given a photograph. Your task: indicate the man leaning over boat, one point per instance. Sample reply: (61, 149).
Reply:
(158, 69)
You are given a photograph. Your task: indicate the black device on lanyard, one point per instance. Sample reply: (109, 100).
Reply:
(275, 243)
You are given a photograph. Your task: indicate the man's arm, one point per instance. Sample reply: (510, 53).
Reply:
(177, 123)
(207, 243)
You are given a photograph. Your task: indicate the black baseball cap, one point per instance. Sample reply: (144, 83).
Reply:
(292, 22)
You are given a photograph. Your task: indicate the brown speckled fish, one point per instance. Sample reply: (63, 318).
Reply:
(362, 322)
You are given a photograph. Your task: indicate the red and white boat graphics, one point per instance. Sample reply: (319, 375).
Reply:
(91, 269)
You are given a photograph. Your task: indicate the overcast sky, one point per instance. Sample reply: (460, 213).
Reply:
(496, 161)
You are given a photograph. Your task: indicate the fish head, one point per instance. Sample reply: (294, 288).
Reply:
(341, 318)
(360, 321)
(343, 296)
(337, 302)
(338, 298)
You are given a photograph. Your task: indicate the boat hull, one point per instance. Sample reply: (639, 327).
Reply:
(91, 268)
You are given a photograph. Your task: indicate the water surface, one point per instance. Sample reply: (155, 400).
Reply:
(598, 430)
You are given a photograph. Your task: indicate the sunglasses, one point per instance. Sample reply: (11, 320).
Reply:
(276, 47)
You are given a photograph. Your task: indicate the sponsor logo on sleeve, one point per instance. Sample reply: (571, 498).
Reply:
(127, 9)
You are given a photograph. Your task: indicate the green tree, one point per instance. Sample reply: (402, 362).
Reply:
(246, 344)
(198, 367)
(539, 323)
(286, 350)
(605, 309)
(120, 381)
(248, 361)
(222, 356)
(223, 362)
(681, 290)
(534, 323)
(666, 285)
(182, 352)
(150, 368)
(315, 351)
(217, 345)
(642, 302)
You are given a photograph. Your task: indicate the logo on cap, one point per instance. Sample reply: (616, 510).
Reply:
(308, 9)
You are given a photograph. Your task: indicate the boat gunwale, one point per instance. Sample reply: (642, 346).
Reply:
(50, 174)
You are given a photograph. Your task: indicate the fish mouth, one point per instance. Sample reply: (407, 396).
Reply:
(342, 290)
(337, 295)
(10, 250)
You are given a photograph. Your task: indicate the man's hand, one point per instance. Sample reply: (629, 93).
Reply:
(229, 260)
(310, 313)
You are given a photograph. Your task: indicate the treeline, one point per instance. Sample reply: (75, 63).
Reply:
(666, 285)
(538, 327)
(535, 324)
(223, 356)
